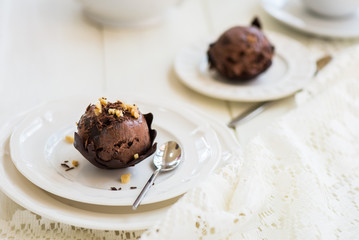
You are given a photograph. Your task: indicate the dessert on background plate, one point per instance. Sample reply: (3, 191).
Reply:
(115, 135)
(242, 65)
(241, 53)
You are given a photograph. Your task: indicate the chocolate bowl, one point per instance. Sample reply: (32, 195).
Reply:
(115, 135)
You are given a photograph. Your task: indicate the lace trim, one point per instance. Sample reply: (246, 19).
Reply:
(25, 225)
(299, 179)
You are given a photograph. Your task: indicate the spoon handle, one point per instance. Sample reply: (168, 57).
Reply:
(145, 189)
(258, 108)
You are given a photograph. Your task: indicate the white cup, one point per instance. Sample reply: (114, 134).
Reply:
(127, 12)
(333, 8)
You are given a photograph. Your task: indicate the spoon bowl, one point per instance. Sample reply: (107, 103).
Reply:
(167, 157)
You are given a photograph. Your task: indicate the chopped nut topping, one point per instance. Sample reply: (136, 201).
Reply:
(132, 109)
(97, 112)
(111, 111)
(136, 115)
(98, 108)
(124, 106)
(125, 178)
(116, 112)
(135, 156)
(69, 139)
(98, 105)
(75, 163)
(119, 113)
(134, 112)
(103, 101)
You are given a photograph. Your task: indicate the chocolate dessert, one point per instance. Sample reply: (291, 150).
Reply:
(115, 135)
(241, 53)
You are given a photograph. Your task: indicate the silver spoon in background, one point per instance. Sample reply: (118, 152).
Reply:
(260, 107)
(167, 157)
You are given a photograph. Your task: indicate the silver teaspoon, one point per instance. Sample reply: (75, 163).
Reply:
(260, 107)
(167, 157)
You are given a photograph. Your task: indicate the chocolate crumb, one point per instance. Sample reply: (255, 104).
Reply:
(119, 188)
(133, 187)
(69, 169)
(66, 161)
(65, 165)
(113, 188)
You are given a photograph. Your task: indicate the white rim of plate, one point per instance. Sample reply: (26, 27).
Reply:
(296, 16)
(29, 196)
(299, 70)
(45, 174)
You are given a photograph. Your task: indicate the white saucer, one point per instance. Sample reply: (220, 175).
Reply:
(29, 196)
(294, 14)
(290, 71)
(38, 149)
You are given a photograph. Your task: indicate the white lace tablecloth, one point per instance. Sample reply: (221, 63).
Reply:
(299, 178)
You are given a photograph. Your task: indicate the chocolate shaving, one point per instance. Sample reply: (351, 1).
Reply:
(69, 169)
(133, 187)
(256, 23)
(65, 165)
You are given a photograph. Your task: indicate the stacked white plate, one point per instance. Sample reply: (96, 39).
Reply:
(34, 148)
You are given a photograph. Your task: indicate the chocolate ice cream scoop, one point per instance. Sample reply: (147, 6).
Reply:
(241, 53)
(115, 135)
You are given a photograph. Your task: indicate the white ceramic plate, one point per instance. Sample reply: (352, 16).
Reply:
(38, 148)
(290, 71)
(294, 14)
(29, 196)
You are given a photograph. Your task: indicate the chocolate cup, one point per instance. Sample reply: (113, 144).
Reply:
(91, 156)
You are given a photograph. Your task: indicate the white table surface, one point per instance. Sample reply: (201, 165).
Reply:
(48, 50)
